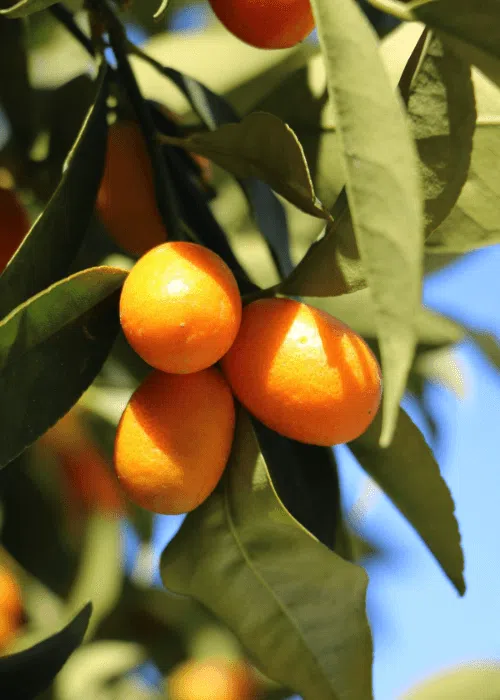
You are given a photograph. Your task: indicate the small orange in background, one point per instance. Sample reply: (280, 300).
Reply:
(180, 307)
(11, 606)
(303, 373)
(266, 24)
(174, 439)
(126, 201)
(14, 225)
(212, 679)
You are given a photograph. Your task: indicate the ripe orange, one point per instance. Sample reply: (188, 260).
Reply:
(266, 24)
(8, 630)
(14, 225)
(303, 372)
(11, 603)
(126, 200)
(174, 439)
(212, 679)
(180, 307)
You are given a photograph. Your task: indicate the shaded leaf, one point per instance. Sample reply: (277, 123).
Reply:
(442, 110)
(242, 541)
(26, 674)
(260, 146)
(23, 8)
(409, 474)
(48, 250)
(489, 346)
(382, 186)
(478, 679)
(51, 349)
(100, 574)
(471, 28)
(305, 479)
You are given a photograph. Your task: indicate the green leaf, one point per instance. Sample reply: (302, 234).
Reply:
(488, 344)
(471, 28)
(303, 620)
(100, 574)
(382, 186)
(48, 250)
(16, 94)
(26, 7)
(442, 110)
(260, 146)
(28, 673)
(478, 679)
(51, 349)
(409, 474)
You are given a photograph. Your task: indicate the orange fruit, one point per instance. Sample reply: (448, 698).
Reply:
(14, 225)
(89, 482)
(174, 439)
(180, 307)
(8, 630)
(10, 595)
(266, 24)
(303, 373)
(212, 679)
(126, 201)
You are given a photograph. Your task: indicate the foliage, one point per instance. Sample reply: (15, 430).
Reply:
(342, 173)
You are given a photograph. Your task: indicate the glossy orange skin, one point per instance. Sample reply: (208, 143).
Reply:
(212, 679)
(174, 439)
(11, 607)
(126, 200)
(14, 225)
(266, 24)
(303, 373)
(180, 307)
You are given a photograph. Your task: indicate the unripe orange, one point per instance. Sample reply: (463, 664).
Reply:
(212, 679)
(174, 439)
(180, 307)
(14, 225)
(303, 372)
(126, 200)
(266, 24)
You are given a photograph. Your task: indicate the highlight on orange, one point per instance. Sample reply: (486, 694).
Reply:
(266, 24)
(126, 201)
(89, 482)
(174, 440)
(180, 307)
(212, 679)
(303, 373)
(14, 225)
(11, 606)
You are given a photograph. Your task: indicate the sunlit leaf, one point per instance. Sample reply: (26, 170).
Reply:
(478, 679)
(242, 541)
(26, 7)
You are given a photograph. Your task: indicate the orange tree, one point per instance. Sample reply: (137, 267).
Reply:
(340, 173)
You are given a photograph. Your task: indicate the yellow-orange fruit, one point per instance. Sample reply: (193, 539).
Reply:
(8, 630)
(10, 595)
(14, 225)
(180, 307)
(174, 439)
(212, 679)
(126, 200)
(266, 24)
(303, 372)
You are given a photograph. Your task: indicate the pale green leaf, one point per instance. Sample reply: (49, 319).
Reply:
(479, 680)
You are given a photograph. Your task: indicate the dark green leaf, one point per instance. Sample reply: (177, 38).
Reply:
(382, 186)
(51, 349)
(16, 95)
(23, 676)
(306, 481)
(471, 28)
(303, 620)
(47, 252)
(409, 474)
(442, 110)
(23, 8)
(260, 146)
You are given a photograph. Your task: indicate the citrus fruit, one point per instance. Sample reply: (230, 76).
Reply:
(10, 595)
(8, 630)
(126, 201)
(212, 679)
(303, 373)
(14, 225)
(174, 439)
(180, 307)
(266, 24)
